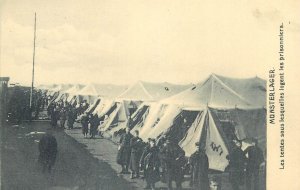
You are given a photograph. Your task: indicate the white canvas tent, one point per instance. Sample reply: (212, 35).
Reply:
(132, 98)
(93, 91)
(57, 91)
(44, 87)
(214, 92)
(99, 96)
(216, 105)
(147, 91)
(62, 95)
(72, 92)
(104, 106)
(60, 87)
(205, 131)
(216, 128)
(51, 88)
(118, 114)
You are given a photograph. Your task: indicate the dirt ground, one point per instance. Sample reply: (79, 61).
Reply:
(75, 167)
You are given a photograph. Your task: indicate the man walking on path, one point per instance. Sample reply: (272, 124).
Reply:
(123, 156)
(54, 117)
(94, 123)
(71, 116)
(63, 118)
(136, 145)
(48, 151)
(85, 124)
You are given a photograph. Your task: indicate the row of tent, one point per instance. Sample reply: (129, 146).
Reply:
(212, 112)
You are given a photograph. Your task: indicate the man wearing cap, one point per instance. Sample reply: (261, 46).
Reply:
(71, 117)
(144, 154)
(150, 163)
(95, 122)
(63, 118)
(136, 146)
(236, 166)
(173, 160)
(54, 117)
(85, 124)
(255, 159)
(199, 165)
(123, 156)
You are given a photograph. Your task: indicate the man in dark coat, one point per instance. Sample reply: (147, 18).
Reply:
(144, 154)
(79, 110)
(71, 117)
(50, 109)
(136, 146)
(199, 165)
(255, 159)
(123, 156)
(54, 117)
(63, 118)
(38, 106)
(95, 122)
(48, 151)
(173, 160)
(160, 143)
(85, 124)
(150, 164)
(236, 166)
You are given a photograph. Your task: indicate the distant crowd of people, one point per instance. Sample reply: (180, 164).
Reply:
(164, 160)
(64, 113)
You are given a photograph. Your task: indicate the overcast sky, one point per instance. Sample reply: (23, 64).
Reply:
(119, 41)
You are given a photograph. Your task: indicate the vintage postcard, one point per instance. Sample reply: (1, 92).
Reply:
(149, 94)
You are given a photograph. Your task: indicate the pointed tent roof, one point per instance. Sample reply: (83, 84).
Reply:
(44, 87)
(61, 87)
(206, 131)
(222, 92)
(74, 89)
(49, 87)
(103, 90)
(146, 91)
(252, 89)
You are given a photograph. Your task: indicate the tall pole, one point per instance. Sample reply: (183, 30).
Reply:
(32, 82)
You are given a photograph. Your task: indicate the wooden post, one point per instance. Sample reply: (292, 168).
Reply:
(32, 82)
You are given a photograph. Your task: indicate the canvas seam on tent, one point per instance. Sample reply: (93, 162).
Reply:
(146, 92)
(230, 89)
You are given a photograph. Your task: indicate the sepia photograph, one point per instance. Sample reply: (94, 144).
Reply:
(146, 94)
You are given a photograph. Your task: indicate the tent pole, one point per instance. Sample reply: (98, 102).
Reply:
(33, 59)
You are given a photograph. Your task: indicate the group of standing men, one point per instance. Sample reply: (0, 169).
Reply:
(90, 124)
(244, 165)
(160, 161)
(165, 161)
(64, 112)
